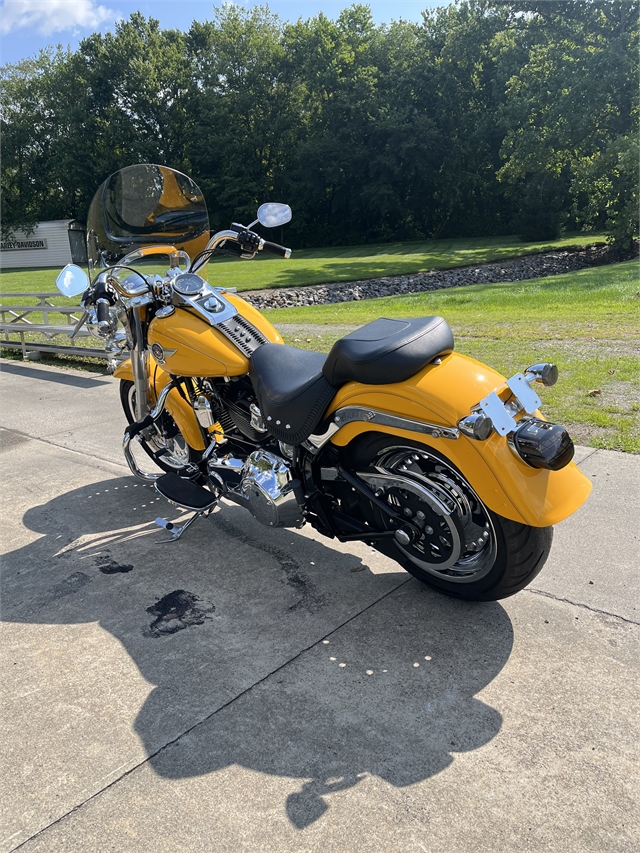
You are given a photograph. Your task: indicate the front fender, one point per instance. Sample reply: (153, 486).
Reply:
(443, 394)
(179, 409)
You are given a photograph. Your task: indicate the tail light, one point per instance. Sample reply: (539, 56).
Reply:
(542, 444)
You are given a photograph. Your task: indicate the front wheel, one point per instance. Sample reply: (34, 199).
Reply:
(168, 448)
(469, 553)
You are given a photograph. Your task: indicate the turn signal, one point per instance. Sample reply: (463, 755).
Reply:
(544, 374)
(477, 425)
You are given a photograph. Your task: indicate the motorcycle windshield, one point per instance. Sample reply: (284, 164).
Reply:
(145, 205)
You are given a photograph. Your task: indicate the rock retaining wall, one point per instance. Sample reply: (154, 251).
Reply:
(515, 269)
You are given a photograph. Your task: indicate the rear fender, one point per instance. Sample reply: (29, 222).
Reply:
(179, 409)
(444, 393)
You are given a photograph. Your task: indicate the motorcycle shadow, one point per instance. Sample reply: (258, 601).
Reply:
(274, 651)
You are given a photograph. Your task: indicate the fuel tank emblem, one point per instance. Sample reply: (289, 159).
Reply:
(160, 354)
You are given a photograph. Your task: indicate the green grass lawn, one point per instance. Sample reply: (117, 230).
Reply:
(597, 302)
(588, 323)
(343, 263)
(354, 263)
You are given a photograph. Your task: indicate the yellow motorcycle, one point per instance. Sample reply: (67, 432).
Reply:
(393, 439)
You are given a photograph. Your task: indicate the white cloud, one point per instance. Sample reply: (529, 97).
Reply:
(52, 16)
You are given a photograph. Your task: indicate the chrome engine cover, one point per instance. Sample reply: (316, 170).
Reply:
(267, 486)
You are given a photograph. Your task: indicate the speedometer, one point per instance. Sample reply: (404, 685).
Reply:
(188, 284)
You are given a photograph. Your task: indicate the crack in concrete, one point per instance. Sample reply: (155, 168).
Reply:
(580, 604)
(205, 719)
(593, 452)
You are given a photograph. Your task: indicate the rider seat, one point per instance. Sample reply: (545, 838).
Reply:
(387, 351)
(293, 394)
(294, 387)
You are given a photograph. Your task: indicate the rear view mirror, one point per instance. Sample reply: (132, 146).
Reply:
(72, 281)
(272, 214)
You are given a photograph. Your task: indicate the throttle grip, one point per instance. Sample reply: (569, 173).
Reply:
(102, 310)
(276, 249)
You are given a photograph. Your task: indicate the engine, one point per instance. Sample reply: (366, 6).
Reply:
(237, 398)
(263, 484)
(269, 488)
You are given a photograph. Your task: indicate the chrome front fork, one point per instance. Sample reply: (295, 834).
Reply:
(139, 363)
(139, 366)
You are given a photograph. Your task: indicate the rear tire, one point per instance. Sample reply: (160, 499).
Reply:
(522, 552)
(169, 438)
(473, 554)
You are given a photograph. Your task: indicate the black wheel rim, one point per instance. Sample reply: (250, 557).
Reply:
(459, 548)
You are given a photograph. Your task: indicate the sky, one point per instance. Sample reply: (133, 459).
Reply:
(26, 26)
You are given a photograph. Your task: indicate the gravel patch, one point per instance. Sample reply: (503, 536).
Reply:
(516, 269)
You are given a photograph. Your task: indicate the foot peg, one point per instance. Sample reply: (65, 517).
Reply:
(186, 495)
(174, 531)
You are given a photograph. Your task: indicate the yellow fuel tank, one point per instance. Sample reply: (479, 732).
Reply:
(254, 317)
(192, 347)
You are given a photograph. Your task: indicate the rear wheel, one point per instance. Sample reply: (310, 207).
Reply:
(469, 551)
(168, 448)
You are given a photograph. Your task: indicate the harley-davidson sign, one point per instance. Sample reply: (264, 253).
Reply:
(12, 245)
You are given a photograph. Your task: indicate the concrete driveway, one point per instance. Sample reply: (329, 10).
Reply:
(247, 689)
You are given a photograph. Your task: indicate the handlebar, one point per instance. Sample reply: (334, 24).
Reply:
(232, 236)
(110, 279)
(276, 249)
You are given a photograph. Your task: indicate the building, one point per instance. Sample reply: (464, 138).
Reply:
(51, 244)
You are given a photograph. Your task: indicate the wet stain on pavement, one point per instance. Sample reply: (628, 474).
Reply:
(68, 586)
(309, 598)
(109, 567)
(176, 611)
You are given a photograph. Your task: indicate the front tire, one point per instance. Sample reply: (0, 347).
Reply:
(473, 553)
(169, 450)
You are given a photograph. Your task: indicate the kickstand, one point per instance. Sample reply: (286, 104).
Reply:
(175, 532)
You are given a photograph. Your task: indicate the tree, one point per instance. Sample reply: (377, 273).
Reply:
(487, 117)
(243, 102)
(575, 95)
